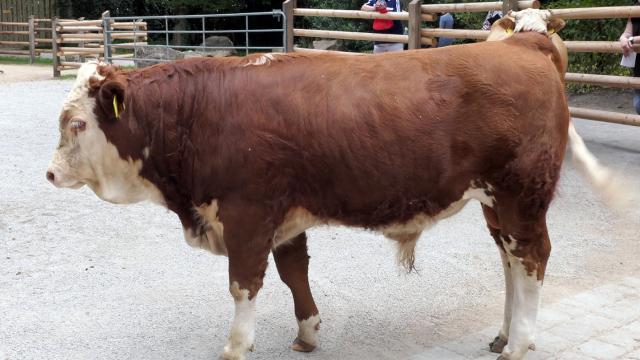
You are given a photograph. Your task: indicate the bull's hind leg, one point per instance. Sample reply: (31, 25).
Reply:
(247, 237)
(527, 253)
(525, 248)
(500, 341)
(292, 262)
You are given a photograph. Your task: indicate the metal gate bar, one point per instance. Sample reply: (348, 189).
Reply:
(111, 35)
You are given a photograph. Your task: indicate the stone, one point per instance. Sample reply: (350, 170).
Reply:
(147, 56)
(327, 45)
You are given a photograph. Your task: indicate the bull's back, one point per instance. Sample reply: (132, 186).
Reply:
(410, 128)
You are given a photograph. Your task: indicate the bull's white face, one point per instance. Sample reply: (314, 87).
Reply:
(85, 157)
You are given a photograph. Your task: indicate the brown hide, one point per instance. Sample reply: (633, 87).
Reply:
(365, 141)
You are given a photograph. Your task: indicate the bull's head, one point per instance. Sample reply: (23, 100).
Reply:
(541, 21)
(98, 146)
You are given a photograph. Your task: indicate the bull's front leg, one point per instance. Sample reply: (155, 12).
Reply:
(292, 261)
(248, 240)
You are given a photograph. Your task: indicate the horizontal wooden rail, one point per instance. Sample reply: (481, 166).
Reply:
(14, 32)
(8, 23)
(93, 36)
(346, 35)
(455, 33)
(81, 53)
(475, 7)
(79, 28)
(14, 42)
(39, 40)
(605, 12)
(80, 23)
(123, 56)
(81, 49)
(356, 14)
(628, 82)
(606, 116)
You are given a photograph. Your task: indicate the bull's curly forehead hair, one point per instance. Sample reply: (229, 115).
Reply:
(531, 20)
(103, 73)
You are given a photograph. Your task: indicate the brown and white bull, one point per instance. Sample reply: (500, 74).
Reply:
(250, 152)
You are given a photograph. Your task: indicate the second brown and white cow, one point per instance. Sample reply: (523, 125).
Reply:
(251, 152)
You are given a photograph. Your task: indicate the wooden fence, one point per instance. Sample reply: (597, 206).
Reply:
(31, 38)
(76, 40)
(418, 36)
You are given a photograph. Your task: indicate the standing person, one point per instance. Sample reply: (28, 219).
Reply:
(384, 26)
(492, 16)
(630, 37)
(446, 22)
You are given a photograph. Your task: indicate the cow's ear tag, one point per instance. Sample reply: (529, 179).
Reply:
(551, 32)
(115, 107)
(509, 31)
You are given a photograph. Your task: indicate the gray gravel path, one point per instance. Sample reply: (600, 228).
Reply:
(84, 279)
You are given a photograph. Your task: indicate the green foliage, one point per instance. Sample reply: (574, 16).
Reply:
(23, 60)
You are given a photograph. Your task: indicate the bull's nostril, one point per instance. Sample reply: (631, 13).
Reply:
(50, 176)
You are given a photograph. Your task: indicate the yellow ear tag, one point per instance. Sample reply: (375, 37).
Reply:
(509, 31)
(115, 107)
(551, 32)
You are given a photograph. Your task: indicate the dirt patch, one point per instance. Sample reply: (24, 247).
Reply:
(618, 100)
(18, 73)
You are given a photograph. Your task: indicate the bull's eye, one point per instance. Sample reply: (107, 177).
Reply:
(77, 125)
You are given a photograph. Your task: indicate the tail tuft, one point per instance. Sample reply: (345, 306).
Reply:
(616, 190)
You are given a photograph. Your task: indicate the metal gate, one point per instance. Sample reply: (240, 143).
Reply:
(165, 38)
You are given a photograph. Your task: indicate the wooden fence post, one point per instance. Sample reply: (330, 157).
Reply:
(509, 5)
(54, 46)
(287, 8)
(415, 21)
(32, 40)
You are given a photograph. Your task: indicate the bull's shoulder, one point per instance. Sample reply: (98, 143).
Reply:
(532, 40)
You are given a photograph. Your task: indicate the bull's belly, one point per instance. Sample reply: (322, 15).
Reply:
(299, 219)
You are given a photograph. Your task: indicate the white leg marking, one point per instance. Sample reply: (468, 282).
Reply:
(243, 327)
(508, 297)
(526, 300)
(308, 329)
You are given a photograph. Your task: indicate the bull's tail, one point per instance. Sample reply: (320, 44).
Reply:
(613, 187)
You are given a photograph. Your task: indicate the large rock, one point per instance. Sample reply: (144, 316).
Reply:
(327, 45)
(154, 55)
(216, 42)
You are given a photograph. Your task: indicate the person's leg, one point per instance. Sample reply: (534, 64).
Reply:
(636, 100)
(396, 47)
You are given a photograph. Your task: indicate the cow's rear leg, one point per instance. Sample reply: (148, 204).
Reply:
(525, 249)
(247, 237)
(500, 341)
(292, 262)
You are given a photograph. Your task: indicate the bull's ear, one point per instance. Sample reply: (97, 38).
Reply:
(507, 23)
(555, 25)
(111, 98)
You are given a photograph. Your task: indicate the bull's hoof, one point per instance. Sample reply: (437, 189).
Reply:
(301, 346)
(497, 345)
(229, 354)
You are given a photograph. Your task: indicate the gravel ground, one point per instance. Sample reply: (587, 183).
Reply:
(84, 279)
